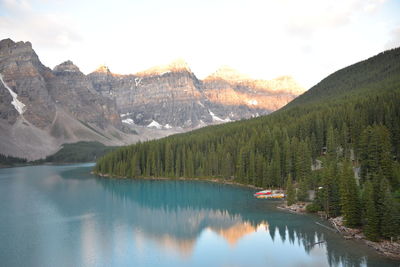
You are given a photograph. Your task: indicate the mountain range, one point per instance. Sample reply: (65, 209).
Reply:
(43, 108)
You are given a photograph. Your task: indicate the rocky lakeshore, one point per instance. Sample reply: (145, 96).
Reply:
(388, 248)
(299, 208)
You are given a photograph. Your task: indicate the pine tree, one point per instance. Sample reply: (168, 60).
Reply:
(252, 168)
(135, 166)
(169, 160)
(241, 165)
(227, 166)
(276, 165)
(349, 197)
(331, 197)
(286, 158)
(302, 192)
(259, 170)
(178, 164)
(290, 193)
(371, 227)
(331, 144)
(388, 212)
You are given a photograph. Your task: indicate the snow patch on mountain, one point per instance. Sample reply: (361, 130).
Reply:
(252, 102)
(124, 114)
(19, 106)
(218, 119)
(128, 121)
(137, 81)
(155, 124)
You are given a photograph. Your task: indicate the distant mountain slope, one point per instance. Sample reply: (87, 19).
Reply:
(379, 72)
(42, 109)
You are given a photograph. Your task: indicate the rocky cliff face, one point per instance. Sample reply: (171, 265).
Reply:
(171, 95)
(161, 97)
(42, 108)
(25, 75)
(74, 92)
(228, 87)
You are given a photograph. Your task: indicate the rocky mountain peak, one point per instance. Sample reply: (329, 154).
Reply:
(103, 69)
(12, 51)
(228, 74)
(282, 83)
(178, 65)
(67, 66)
(8, 43)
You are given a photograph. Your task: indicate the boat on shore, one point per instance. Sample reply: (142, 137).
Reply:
(270, 194)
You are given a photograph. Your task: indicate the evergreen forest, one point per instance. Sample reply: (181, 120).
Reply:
(341, 139)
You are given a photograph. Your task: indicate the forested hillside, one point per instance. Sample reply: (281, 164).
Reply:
(350, 121)
(8, 161)
(83, 151)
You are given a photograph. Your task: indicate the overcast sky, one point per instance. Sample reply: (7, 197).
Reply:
(307, 39)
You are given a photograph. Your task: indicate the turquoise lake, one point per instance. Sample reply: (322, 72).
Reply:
(64, 216)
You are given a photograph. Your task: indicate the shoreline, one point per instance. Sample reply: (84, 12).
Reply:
(212, 180)
(297, 208)
(384, 247)
(47, 163)
(390, 249)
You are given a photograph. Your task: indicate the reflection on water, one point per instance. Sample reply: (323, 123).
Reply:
(62, 216)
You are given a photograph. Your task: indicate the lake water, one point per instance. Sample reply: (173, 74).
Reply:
(63, 216)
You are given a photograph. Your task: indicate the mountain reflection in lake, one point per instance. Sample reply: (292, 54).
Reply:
(62, 215)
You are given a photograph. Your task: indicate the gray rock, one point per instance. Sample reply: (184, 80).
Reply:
(63, 105)
(172, 95)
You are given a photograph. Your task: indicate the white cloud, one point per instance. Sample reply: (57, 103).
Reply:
(23, 22)
(395, 39)
(307, 39)
(308, 16)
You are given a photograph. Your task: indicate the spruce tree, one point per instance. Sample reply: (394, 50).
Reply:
(302, 192)
(331, 196)
(331, 144)
(276, 165)
(388, 212)
(349, 197)
(169, 160)
(227, 166)
(290, 193)
(371, 227)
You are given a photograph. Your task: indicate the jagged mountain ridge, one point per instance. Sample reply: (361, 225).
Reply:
(172, 96)
(40, 108)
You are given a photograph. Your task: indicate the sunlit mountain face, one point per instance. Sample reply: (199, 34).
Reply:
(172, 96)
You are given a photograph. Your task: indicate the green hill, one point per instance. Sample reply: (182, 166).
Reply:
(83, 151)
(351, 119)
(378, 73)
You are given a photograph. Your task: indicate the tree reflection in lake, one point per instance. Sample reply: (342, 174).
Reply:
(182, 210)
(63, 216)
